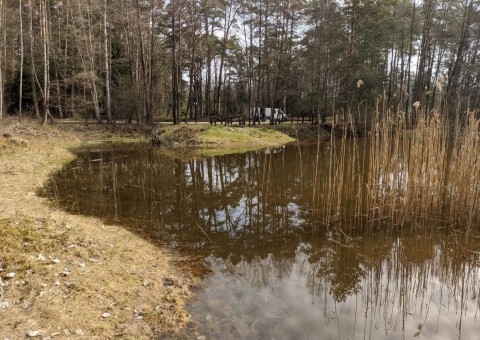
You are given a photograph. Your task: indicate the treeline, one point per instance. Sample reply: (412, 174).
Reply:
(141, 60)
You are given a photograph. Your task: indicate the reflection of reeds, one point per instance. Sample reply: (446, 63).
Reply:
(403, 176)
(399, 284)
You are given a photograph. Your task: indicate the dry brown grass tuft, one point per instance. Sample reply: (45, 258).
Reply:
(177, 137)
(70, 270)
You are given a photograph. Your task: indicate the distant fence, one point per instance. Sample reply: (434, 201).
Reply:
(227, 119)
(304, 119)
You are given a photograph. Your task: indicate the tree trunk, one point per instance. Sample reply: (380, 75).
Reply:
(259, 99)
(208, 83)
(409, 63)
(46, 60)
(229, 18)
(455, 71)
(142, 57)
(65, 57)
(108, 105)
(176, 118)
(150, 66)
(93, 81)
(20, 85)
(192, 97)
(2, 62)
(267, 62)
(350, 55)
(59, 94)
(33, 83)
(423, 70)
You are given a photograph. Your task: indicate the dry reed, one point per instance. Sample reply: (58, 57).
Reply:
(402, 175)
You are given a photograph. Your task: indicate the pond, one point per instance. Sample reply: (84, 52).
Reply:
(278, 270)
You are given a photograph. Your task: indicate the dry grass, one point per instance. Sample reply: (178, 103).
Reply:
(100, 268)
(175, 137)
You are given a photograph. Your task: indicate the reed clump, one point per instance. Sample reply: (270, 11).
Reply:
(403, 173)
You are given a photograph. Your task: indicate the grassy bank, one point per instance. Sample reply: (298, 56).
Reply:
(65, 275)
(211, 140)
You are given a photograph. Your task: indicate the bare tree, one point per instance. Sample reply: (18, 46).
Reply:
(176, 74)
(141, 58)
(107, 65)
(229, 16)
(46, 59)
(20, 87)
(33, 82)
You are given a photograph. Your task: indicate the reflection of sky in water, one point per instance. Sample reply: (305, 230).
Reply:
(276, 299)
(238, 215)
(399, 180)
(393, 181)
(216, 174)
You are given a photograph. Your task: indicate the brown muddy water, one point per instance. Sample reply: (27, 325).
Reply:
(277, 270)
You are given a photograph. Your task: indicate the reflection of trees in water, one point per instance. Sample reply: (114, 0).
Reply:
(327, 261)
(260, 272)
(247, 204)
(379, 281)
(252, 212)
(404, 277)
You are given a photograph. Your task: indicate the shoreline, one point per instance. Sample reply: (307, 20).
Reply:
(69, 275)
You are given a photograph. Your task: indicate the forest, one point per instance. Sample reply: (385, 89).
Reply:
(180, 60)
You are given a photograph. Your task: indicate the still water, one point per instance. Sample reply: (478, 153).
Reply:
(276, 271)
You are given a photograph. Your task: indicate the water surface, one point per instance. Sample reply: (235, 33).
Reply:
(278, 271)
